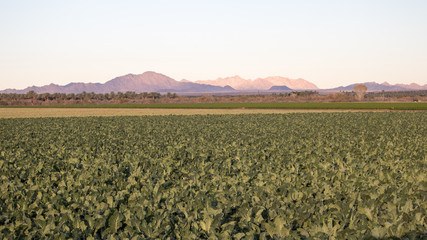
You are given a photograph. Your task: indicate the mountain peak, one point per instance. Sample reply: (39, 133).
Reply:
(151, 73)
(146, 82)
(232, 78)
(239, 83)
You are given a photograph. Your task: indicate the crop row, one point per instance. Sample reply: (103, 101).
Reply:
(324, 175)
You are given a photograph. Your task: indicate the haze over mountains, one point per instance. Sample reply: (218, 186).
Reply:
(156, 82)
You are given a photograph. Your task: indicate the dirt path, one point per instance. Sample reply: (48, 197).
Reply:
(85, 112)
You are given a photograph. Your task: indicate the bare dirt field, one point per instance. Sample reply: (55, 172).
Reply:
(86, 112)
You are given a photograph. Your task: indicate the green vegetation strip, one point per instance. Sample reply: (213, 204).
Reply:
(373, 106)
(288, 176)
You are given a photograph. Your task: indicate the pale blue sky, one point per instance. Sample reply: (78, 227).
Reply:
(329, 43)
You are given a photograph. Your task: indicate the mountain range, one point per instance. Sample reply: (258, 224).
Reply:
(241, 84)
(373, 86)
(145, 82)
(156, 82)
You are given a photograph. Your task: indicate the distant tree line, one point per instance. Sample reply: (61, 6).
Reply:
(400, 94)
(31, 98)
(31, 95)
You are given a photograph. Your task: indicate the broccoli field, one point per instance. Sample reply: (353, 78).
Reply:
(254, 176)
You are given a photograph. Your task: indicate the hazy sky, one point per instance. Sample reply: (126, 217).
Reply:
(329, 43)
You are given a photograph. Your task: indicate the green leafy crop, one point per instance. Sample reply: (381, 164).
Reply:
(290, 176)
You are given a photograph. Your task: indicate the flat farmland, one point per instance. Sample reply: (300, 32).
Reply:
(198, 108)
(337, 175)
(252, 105)
(103, 112)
